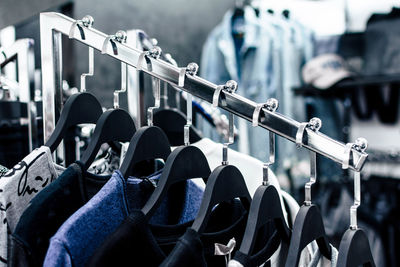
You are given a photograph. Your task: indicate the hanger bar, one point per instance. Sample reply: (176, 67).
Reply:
(22, 51)
(52, 25)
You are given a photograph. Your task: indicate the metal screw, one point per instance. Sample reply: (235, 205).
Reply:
(155, 52)
(231, 86)
(192, 68)
(120, 36)
(272, 104)
(87, 21)
(361, 144)
(315, 124)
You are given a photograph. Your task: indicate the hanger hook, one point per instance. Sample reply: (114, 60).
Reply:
(155, 53)
(120, 36)
(271, 105)
(87, 22)
(230, 87)
(361, 144)
(314, 124)
(191, 69)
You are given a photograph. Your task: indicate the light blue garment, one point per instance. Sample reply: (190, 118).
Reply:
(87, 228)
(270, 60)
(257, 81)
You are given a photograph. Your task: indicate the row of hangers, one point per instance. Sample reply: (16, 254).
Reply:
(188, 162)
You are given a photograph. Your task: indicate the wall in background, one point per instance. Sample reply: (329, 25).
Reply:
(180, 26)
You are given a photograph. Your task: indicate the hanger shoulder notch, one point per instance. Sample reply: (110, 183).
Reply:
(224, 184)
(184, 163)
(147, 143)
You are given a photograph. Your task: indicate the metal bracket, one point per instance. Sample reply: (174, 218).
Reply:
(271, 105)
(155, 53)
(191, 70)
(360, 145)
(230, 87)
(120, 37)
(314, 124)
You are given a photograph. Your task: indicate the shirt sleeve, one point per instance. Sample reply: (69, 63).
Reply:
(57, 255)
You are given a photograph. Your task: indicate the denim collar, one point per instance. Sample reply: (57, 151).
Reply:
(225, 40)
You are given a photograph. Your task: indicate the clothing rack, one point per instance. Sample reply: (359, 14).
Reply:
(52, 25)
(22, 51)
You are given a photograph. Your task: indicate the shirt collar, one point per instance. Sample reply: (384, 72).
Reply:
(225, 40)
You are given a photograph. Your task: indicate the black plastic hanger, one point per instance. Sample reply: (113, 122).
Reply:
(184, 163)
(354, 249)
(224, 184)
(308, 225)
(266, 204)
(172, 122)
(79, 108)
(113, 125)
(147, 143)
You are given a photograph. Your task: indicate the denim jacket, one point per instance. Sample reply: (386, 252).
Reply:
(265, 63)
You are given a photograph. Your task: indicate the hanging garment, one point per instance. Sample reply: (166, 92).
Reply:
(107, 161)
(19, 186)
(265, 63)
(79, 236)
(47, 211)
(148, 245)
(255, 78)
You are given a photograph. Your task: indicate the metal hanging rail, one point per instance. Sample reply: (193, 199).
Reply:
(22, 51)
(52, 25)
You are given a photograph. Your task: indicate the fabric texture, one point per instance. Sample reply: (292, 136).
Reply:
(87, 228)
(46, 213)
(316, 259)
(18, 186)
(131, 241)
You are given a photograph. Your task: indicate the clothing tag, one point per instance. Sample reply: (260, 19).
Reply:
(225, 250)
